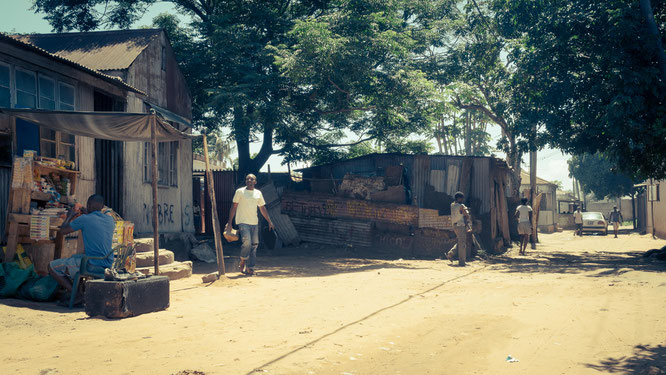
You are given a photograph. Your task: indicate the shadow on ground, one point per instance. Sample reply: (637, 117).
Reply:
(307, 266)
(609, 263)
(43, 306)
(646, 360)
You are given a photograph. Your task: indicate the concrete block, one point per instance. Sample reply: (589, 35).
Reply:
(147, 258)
(174, 271)
(143, 245)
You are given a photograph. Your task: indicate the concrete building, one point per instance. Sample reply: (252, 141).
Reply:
(123, 71)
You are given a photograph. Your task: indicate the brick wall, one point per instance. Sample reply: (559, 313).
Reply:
(431, 219)
(312, 205)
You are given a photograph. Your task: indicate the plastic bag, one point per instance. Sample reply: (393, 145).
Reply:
(12, 277)
(41, 289)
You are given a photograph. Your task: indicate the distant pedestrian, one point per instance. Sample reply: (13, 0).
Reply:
(524, 216)
(459, 216)
(616, 218)
(245, 203)
(578, 220)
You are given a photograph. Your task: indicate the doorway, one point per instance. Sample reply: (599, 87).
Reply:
(109, 158)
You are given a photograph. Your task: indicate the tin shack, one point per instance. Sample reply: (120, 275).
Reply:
(401, 203)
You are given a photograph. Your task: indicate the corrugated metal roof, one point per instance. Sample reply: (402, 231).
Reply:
(100, 50)
(31, 47)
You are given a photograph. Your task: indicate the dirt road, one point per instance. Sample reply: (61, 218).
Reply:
(573, 306)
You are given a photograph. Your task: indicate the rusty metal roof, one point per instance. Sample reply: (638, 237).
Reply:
(100, 50)
(31, 47)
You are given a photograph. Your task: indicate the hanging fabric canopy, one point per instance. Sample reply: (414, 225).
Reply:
(115, 126)
(168, 115)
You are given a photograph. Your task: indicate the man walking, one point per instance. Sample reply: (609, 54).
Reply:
(524, 216)
(245, 203)
(616, 218)
(578, 220)
(459, 215)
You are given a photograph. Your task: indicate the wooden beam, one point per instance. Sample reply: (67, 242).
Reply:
(213, 204)
(156, 236)
(533, 192)
(504, 212)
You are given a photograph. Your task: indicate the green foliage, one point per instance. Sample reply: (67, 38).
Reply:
(469, 63)
(588, 74)
(597, 174)
(301, 77)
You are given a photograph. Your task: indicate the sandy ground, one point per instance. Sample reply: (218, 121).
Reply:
(572, 306)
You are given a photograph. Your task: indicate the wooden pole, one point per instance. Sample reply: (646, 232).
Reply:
(202, 208)
(533, 192)
(156, 236)
(213, 208)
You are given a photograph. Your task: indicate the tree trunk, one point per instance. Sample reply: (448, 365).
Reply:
(653, 30)
(247, 164)
(468, 135)
(242, 135)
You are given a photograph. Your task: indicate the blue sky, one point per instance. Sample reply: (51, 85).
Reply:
(16, 17)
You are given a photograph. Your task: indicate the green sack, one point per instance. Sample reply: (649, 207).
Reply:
(40, 289)
(12, 277)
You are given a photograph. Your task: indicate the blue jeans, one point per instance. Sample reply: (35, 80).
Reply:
(250, 237)
(70, 266)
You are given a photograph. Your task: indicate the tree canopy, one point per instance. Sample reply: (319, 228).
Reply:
(589, 73)
(598, 174)
(298, 76)
(312, 79)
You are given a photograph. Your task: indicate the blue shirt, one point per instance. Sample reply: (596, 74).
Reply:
(97, 229)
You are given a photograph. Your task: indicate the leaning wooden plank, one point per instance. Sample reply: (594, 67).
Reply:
(493, 211)
(504, 212)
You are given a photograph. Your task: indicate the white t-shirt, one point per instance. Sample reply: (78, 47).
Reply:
(524, 212)
(457, 218)
(578, 217)
(248, 202)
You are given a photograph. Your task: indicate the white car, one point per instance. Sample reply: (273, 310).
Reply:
(595, 222)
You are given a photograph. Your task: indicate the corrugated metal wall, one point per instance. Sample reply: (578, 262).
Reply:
(225, 187)
(481, 182)
(419, 170)
(420, 178)
(5, 179)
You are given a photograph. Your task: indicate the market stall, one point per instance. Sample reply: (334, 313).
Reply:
(118, 126)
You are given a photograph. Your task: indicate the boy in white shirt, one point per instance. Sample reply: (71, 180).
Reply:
(459, 215)
(578, 220)
(245, 203)
(524, 216)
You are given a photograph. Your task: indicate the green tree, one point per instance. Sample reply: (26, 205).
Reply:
(468, 58)
(296, 76)
(591, 73)
(598, 175)
(463, 133)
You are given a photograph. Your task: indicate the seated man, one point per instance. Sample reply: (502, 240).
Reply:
(97, 230)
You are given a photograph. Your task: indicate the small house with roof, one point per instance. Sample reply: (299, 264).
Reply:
(123, 71)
